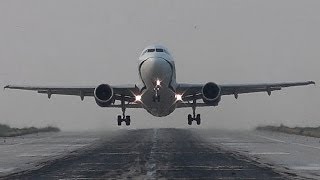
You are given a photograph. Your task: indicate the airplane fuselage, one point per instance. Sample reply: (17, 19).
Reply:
(158, 78)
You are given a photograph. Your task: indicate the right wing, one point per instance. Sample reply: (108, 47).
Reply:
(128, 91)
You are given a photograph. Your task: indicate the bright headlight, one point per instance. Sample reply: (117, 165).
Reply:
(158, 82)
(138, 98)
(178, 97)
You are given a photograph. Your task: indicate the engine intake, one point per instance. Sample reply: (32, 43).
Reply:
(211, 93)
(103, 95)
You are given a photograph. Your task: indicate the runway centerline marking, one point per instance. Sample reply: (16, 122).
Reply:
(151, 165)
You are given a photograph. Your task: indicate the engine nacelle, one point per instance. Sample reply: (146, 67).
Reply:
(103, 95)
(211, 93)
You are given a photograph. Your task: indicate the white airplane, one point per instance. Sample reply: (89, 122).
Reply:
(158, 92)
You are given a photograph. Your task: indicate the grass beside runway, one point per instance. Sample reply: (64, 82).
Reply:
(303, 131)
(7, 131)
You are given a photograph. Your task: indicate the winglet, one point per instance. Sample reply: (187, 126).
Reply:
(7, 86)
(312, 82)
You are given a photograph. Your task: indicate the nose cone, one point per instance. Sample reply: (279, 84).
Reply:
(154, 69)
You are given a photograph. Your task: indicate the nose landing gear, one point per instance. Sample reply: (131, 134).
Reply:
(194, 116)
(156, 97)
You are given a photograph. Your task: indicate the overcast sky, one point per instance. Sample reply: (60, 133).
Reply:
(77, 42)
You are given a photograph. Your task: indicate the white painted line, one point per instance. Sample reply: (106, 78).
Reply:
(210, 167)
(304, 145)
(307, 168)
(151, 165)
(280, 141)
(71, 145)
(220, 138)
(271, 139)
(40, 140)
(78, 178)
(269, 153)
(5, 170)
(83, 164)
(236, 144)
(115, 153)
(35, 155)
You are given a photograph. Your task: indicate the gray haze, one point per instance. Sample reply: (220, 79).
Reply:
(78, 42)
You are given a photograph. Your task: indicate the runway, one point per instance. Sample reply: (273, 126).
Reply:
(146, 154)
(290, 154)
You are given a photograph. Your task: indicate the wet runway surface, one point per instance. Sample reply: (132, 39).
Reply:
(152, 154)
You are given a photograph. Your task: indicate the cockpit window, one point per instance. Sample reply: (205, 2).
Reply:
(155, 50)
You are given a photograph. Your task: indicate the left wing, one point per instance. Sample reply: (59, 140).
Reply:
(251, 88)
(127, 91)
(194, 91)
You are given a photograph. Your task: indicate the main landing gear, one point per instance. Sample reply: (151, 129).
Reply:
(194, 116)
(123, 118)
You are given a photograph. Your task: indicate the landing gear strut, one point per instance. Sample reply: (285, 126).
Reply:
(194, 116)
(123, 118)
(156, 97)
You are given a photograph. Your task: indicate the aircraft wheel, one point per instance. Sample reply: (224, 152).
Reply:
(189, 119)
(128, 120)
(119, 120)
(198, 119)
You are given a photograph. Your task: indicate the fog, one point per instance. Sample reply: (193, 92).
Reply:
(78, 42)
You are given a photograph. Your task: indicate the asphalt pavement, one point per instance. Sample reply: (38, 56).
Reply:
(134, 154)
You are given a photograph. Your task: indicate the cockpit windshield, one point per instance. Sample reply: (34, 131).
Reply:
(154, 50)
(151, 50)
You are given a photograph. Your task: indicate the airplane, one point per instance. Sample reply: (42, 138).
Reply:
(157, 91)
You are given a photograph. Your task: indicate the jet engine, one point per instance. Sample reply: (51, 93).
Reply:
(211, 93)
(103, 95)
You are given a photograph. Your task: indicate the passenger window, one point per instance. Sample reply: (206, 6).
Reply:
(159, 50)
(151, 50)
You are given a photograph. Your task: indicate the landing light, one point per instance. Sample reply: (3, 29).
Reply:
(178, 97)
(138, 98)
(158, 82)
